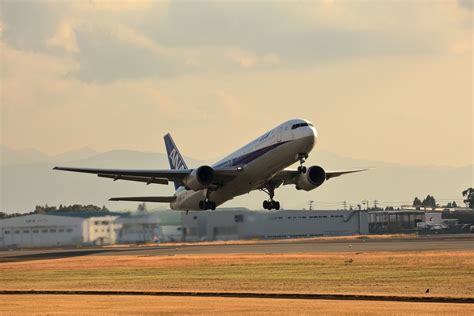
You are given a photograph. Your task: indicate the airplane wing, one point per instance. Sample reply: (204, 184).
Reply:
(333, 174)
(162, 199)
(156, 176)
(288, 176)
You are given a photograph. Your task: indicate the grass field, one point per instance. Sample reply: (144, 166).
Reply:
(449, 274)
(102, 305)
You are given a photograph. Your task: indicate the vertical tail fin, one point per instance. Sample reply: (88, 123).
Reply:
(174, 156)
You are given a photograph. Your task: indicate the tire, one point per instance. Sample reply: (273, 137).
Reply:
(265, 205)
(213, 205)
(277, 206)
(202, 205)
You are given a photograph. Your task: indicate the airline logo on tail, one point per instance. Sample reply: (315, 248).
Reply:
(176, 161)
(174, 157)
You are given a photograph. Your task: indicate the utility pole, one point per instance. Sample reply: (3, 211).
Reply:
(376, 202)
(345, 205)
(311, 205)
(366, 203)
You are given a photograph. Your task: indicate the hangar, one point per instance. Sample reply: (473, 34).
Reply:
(228, 224)
(60, 229)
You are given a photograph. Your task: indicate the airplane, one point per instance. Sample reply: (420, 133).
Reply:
(259, 165)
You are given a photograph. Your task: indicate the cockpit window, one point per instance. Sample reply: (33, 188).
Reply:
(295, 126)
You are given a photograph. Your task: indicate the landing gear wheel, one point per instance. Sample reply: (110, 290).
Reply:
(207, 205)
(276, 205)
(302, 169)
(271, 205)
(266, 205)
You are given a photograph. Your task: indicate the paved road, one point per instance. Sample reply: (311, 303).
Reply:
(436, 243)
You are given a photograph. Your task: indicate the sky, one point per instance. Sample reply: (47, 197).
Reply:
(380, 80)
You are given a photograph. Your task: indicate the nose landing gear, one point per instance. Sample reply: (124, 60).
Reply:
(302, 158)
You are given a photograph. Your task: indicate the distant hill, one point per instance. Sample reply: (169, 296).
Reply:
(27, 179)
(9, 156)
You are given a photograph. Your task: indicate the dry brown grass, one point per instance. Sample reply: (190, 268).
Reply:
(103, 305)
(403, 273)
(261, 241)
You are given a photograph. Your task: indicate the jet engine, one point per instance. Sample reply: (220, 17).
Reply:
(199, 178)
(311, 179)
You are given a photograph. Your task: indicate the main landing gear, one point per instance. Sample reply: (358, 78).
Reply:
(207, 204)
(302, 158)
(270, 204)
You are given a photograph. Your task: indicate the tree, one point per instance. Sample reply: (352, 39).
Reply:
(417, 202)
(429, 201)
(469, 195)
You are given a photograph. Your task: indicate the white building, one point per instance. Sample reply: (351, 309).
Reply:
(60, 229)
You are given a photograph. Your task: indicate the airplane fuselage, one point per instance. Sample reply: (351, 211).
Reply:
(259, 160)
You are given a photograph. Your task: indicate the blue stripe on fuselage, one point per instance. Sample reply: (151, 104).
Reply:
(247, 158)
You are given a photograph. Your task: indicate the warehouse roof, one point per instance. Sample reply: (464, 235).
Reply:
(83, 214)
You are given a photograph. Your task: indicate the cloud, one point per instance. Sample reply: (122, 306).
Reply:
(126, 39)
(466, 4)
(86, 72)
(65, 37)
(247, 59)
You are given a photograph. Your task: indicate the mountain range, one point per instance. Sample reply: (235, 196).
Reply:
(27, 179)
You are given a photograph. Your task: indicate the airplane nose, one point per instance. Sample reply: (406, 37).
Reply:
(312, 132)
(310, 135)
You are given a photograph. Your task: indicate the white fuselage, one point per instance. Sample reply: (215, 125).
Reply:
(260, 160)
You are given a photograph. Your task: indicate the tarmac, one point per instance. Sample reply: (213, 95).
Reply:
(421, 243)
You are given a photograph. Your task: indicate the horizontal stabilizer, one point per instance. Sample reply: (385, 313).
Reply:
(137, 179)
(158, 199)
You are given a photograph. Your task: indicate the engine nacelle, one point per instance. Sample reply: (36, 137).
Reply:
(199, 178)
(311, 179)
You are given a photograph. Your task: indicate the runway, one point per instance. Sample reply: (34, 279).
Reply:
(421, 243)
